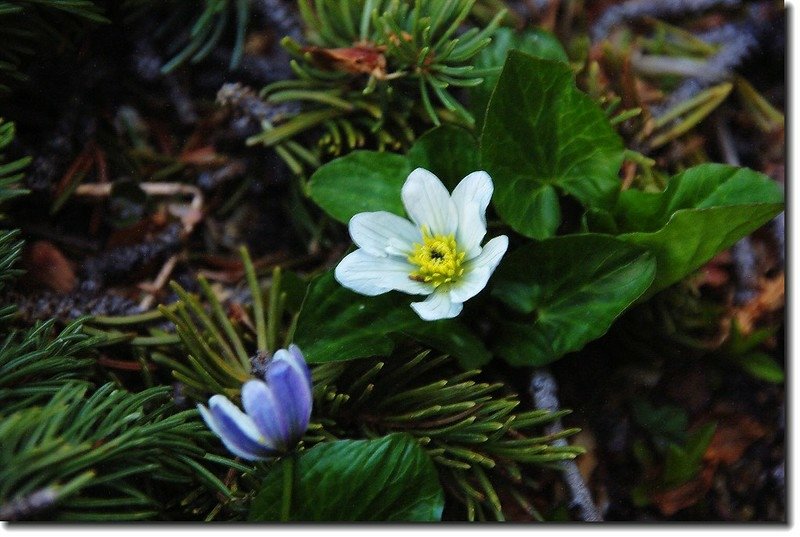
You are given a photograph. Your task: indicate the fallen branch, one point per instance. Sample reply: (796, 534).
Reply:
(544, 391)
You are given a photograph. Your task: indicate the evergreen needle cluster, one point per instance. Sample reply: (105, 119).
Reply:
(472, 429)
(373, 70)
(74, 451)
(31, 27)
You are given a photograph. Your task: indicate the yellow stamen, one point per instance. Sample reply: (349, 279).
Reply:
(438, 258)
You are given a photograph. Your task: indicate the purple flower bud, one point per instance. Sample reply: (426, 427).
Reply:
(277, 409)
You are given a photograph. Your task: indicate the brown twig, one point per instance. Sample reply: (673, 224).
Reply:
(100, 190)
(161, 280)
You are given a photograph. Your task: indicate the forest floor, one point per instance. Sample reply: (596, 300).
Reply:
(140, 177)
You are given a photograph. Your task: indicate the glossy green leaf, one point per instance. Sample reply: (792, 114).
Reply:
(762, 366)
(703, 211)
(568, 291)
(337, 324)
(705, 186)
(448, 151)
(536, 42)
(693, 237)
(451, 337)
(294, 288)
(359, 182)
(382, 480)
(542, 137)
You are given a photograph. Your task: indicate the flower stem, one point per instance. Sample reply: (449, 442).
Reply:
(288, 482)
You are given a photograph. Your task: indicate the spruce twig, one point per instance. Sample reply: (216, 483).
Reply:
(472, 430)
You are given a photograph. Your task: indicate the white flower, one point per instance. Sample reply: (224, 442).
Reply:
(438, 253)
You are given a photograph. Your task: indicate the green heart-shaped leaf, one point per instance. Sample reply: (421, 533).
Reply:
(703, 211)
(448, 151)
(337, 324)
(360, 182)
(536, 42)
(569, 291)
(542, 136)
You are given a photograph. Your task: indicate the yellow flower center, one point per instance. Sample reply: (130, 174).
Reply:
(438, 258)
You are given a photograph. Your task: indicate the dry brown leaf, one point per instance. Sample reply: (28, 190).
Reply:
(734, 434)
(770, 299)
(201, 156)
(46, 265)
(358, 59)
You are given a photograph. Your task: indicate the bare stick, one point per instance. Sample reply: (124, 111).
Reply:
(544, 391)
(102, 190)
(161, 280)
(744, 256)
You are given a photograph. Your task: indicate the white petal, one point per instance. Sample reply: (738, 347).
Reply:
(382, 233)
(371, 276)
(490, 256)
(428, 203)
(437, 306)
(476, 187)
(479, 269)
(470, 284)
(471, 229)
(471, 198)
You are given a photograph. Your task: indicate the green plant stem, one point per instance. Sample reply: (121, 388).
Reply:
(288, 482)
